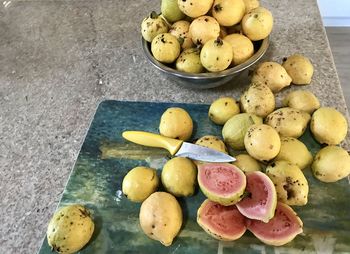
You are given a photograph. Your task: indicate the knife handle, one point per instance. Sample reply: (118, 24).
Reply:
(153, 140)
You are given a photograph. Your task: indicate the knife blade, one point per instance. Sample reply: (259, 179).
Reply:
(177, 147)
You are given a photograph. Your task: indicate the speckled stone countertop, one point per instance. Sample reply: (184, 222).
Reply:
(59, 59)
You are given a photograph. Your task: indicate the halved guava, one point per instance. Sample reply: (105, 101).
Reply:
(260, 200)
(281, 229)
(221, 182)
(224, 223)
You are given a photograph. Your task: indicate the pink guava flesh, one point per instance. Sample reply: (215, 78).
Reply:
(260, 201)
(220, 178)
(281, 229)
(224, 221)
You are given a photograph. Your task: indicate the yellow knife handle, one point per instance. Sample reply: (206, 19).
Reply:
(153, 140)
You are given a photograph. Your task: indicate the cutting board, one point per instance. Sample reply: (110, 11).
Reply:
(105, 158)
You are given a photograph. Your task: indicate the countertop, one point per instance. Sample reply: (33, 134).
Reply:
(59, 59)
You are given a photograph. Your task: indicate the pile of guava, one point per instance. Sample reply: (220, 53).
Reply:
(257, 191)
(197, 36)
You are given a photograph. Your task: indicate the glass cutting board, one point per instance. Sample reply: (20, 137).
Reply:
(106, 157)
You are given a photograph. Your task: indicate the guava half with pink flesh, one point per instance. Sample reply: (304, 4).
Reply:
(221, 182)
(260, 200)
(224, 223)
(281, 229)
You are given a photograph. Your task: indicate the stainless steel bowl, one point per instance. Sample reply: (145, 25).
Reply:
(208, 79)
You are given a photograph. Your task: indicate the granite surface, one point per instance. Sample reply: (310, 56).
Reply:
(59, 59)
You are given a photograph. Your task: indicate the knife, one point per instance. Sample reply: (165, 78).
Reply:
(177, 147)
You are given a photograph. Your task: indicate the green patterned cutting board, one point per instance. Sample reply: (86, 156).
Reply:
(105, 158)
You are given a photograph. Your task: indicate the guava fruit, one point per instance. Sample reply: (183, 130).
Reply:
(262, 142)
(139, 183)
(179, 176)
(260, 200)
(224, 223)
(291, 185)
(294, 151)
(171, 11)
(161, 217)
(70, 229)
(281, 229)
(236, 127)
(212, 142)
(176, 123)
(221, 182)
(223, 109)
(331, 164)
(216, 54)
(152, 26)
(328, 126)
(246, 163)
